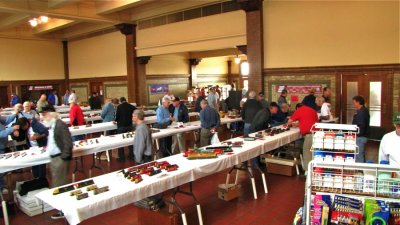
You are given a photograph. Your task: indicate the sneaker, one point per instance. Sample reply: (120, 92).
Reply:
(57, 216)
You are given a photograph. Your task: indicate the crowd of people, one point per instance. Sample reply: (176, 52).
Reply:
(39, 125)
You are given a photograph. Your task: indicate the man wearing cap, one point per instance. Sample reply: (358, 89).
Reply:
(181, 114)
(261, 98)
(389, 148)
(123, 117)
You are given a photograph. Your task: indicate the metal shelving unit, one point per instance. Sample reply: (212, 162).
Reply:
(356, 180)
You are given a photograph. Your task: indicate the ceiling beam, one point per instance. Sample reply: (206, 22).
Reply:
(59, 3)
(53, 25)
(106, 7)
(215, 53)
(13, 20)
(84, 29)
(78, 11)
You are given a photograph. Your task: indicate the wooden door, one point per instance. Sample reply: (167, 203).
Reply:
(377, 92)
(4, 97)
(98, 88)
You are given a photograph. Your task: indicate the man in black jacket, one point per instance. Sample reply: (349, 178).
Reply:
(180, 113)
(361, 119)
(95, 101)
(59, 147)
(249, 110)
(123, 117)
(262, 120)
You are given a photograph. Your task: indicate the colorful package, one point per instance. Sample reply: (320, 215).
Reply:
(376, 212)
(322, 204)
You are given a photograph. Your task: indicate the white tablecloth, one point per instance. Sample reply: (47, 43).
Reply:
(105, 143)
(123, 192)
(106, 126)
(86, 113)
(65, 109)
(87, 119)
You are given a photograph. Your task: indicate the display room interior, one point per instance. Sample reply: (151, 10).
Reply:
(173, 112)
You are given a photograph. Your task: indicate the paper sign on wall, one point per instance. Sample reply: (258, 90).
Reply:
(158, 88)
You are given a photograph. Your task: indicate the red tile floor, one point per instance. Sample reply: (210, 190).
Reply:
(278, 207)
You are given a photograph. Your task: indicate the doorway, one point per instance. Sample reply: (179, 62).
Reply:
(377, 92)
(97, 87)
(4, 97)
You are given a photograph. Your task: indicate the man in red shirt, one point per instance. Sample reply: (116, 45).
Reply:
(76, 118)
(307, 117)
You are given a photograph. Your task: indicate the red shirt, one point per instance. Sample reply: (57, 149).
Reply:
(76, 114)
(307, 117)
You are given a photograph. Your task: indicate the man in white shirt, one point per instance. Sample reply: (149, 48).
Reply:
(389, 148)
(72, 97)
(326, 114)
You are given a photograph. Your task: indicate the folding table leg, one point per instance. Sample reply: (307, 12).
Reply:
(253, 184)
(184, 221)
(199, 214)
(264, 183)
(297, 166)
(176, 204)
(5, 213)
(94, 164)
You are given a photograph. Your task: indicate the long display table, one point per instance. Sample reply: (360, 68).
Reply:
(123, 192)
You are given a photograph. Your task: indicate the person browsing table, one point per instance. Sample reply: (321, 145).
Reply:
(76, 118)
(210, 122)
(59, 147)
(180, 114)
(164, 119)
(123, 117)
(142, 144)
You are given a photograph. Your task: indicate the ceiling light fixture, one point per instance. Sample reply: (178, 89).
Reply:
(40, 20)
(237, 59)
(33, 22)
(44, 19)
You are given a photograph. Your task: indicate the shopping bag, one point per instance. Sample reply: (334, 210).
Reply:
(215, 139)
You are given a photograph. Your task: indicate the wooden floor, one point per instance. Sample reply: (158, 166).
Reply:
(278, 207)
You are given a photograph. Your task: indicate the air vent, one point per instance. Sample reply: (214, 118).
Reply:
(214, 9)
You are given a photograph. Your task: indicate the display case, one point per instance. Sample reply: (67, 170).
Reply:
(334, 142)
(357, 186)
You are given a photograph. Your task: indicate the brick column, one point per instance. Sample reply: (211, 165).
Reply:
(255, 42)
(192, 72)
(129, 30)
(141, 80)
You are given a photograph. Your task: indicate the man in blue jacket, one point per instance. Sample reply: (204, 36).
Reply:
(180, 113)
(4, 132)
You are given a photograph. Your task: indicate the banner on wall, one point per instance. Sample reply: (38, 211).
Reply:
(40, 88)
(158, 89)
(299, 88)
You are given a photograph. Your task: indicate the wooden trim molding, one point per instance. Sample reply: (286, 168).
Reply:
(98, 79)
(167, 76)
(332, 69)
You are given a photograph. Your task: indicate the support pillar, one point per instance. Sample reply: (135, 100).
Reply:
(192, 72)
(129, 30)
(229, 65)
(142, 98)
(66, 66)
(255, 42)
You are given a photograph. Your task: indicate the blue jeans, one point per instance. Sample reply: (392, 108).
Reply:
(361, 141)
(246, 129)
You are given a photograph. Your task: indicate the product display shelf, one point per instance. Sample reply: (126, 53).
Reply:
(357, 180)
(334, 142)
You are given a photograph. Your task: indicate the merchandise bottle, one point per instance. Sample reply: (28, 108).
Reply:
(384, 180)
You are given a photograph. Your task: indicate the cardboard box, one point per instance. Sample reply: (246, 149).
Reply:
(280, 166)
(228, 192)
